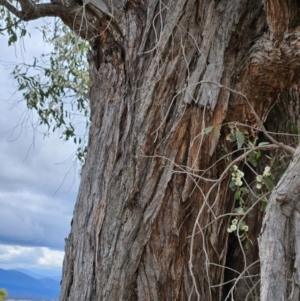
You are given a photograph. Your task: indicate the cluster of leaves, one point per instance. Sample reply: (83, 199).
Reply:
(3, 294)
(237, 135)
(14, 27)
(264, 183)
(55, 85)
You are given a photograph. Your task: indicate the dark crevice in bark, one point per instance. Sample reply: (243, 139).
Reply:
(283, 117)
(122, 128)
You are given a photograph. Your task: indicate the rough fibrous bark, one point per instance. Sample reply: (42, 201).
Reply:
(141, 207)
(281, 15)
(136, 210)
(279, 242)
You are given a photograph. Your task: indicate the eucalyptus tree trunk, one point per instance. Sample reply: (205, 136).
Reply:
(161, 72)
(167, 77)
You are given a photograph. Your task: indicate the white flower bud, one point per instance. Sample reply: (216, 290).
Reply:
(245, 228)
(240, 174)
(259, 178)
(238, 182)
(267, 171)
(240, 210)
(233, 227)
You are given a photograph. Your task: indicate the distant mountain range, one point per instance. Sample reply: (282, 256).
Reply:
(22, 286)
(41, 274)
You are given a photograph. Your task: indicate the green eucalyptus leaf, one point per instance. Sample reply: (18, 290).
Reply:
(240, 139)
(208, 129)
(270, 184)
(237, 194)
(251, 158)
(232, 185)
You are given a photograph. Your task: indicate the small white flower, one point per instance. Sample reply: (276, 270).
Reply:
(258, 186)
(234, 221)
(238, 182)
(245, 228)
(234, 167)
(240, 174)
(233, 227)
(267, 171)
(229, 230)
(259, 178)
(240, 210)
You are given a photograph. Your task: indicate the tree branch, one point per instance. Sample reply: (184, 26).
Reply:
(72, 15)
(11, 8)
(27, 6)
(31, 11)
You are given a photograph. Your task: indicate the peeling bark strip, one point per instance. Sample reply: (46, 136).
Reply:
(279, 242)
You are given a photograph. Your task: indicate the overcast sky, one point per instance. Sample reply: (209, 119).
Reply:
(38, 178)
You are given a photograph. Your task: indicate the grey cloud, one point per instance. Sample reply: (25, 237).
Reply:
(38, 178)
(34, 258)
(33, 220)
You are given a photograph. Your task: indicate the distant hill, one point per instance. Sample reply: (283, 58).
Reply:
(40, 275)
(22, 286)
